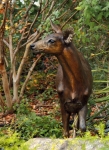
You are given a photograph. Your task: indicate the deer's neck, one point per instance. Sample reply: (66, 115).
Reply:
(72, 68)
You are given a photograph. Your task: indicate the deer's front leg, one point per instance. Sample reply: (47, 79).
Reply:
(65, 119)
(82, 118)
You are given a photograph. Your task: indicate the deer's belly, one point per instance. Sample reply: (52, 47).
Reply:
(73, 107)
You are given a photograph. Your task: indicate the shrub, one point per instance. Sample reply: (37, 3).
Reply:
(29, 125)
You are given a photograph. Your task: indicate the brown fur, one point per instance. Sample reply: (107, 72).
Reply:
(74, 78)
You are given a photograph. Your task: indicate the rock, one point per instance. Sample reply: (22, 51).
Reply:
(107, 127)
(67, 144)
(107, 124)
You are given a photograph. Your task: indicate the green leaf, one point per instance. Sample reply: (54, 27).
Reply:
(99, 16)
(107, 7)
(103, 99)
(78, 8)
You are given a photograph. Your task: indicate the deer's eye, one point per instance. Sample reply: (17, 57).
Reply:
(51, 41)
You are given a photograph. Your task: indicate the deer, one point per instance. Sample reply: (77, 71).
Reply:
(74, 77)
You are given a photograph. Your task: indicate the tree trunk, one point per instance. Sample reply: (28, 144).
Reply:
(2, 64)
(6, 85)
(2, 104)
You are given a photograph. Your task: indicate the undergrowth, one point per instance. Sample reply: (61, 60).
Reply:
(28, 125)
(11, 141)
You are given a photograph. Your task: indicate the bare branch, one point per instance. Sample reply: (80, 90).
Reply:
(33, 38)
(28, 76)
(11, 34)
(24, 34)
(6, 61)
(6, 43)
(44, 8)
(63, 3)
(37, 15)
(69, 19)
(29, 7)
(17, 48)
(51, 8)
(66, 12)
(25, 57)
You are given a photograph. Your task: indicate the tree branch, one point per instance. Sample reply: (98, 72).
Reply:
(29, 7)
(28, 76)
(44, 8)
(2, 103)
(69, 19)
(25, 56)
(66, 12)
(63, 4)
(4, 16)
(6, 43)
(32, 38)
(37, 15)
(2, 29)
(50, 10)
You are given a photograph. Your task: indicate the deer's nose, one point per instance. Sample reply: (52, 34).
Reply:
(32, 46)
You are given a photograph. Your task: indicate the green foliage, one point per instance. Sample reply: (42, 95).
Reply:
(91, 30)
(49, 93)
(42, 85)
(11, 141)
(94, 8)
(29, 125)
(100, 128)
(91, 37)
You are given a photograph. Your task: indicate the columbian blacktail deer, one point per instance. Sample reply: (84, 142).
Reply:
(74, 78)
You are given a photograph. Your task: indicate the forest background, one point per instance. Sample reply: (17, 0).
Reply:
(27, 80)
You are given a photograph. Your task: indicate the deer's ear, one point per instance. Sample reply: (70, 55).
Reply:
(68, 36)
(55, 27)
